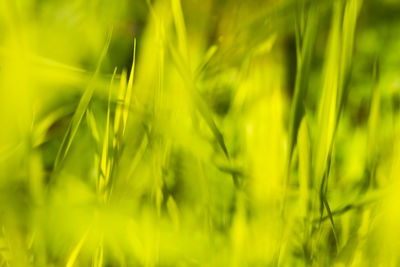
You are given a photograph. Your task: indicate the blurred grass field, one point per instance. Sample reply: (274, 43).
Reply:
(199, 133)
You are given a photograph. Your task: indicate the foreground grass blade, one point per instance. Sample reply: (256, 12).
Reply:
(304, 146)
(302, 75)
(327, 106)
(80, 110)
(181, 62)
(105, 159)
(75, 253)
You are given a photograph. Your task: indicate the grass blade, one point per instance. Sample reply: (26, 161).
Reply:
(80, 110)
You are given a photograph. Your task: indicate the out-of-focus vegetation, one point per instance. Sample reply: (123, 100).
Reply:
(199, 133)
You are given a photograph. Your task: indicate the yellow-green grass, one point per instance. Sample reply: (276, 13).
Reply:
(199, 133)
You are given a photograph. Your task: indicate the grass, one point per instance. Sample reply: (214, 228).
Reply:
(199, 133)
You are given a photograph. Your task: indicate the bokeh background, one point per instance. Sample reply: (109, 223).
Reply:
(199, 133)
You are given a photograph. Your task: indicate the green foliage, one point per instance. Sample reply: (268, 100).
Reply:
(199, 133)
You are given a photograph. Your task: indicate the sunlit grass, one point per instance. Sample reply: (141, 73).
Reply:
(199, 133)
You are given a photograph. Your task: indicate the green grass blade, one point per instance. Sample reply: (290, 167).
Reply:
(327, 106)
(75, 252)
(302, 76)
(105, 160)
(80, 110)
(304, 166)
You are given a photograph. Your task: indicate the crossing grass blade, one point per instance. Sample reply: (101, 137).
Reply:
(80, 110)
(197, 99)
